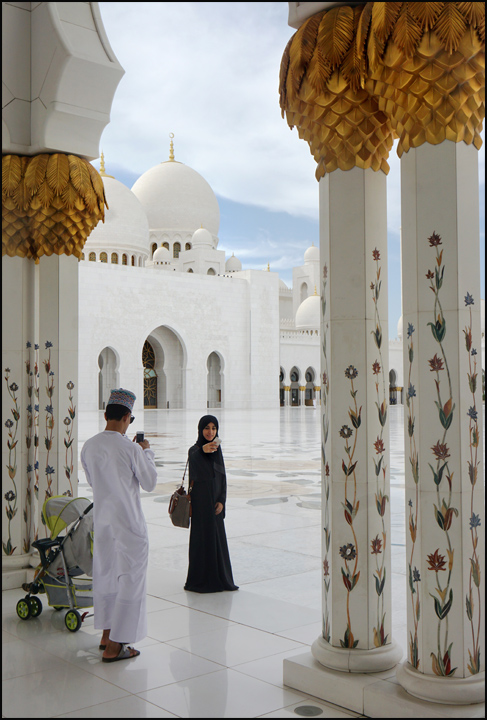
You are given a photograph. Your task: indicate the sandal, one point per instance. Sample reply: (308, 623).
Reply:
(124, 654)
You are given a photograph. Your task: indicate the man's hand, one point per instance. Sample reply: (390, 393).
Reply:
(218, 508)
(145, 444)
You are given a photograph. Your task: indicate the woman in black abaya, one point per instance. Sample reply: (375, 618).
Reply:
(209, 561)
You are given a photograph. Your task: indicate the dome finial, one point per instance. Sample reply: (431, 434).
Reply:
(171, 147)
(315, 291)
(268, 267)
(102, 167)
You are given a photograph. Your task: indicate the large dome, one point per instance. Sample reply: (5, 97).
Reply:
(126, 227)
(177, 198)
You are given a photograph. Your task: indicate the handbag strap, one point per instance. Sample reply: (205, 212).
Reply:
(184, 475)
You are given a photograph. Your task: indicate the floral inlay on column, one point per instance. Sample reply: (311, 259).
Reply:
(11, 495)
(381, 499)
(69, 439)
(413, 574)
(349, 551)
(28, 514)
(444, 512)
(48, 440)
(473, 606)
(325, 419)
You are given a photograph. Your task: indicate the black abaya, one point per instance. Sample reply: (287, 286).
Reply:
(209, 568)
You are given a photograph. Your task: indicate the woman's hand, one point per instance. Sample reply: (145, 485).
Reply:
(210, 447)
(218, 508)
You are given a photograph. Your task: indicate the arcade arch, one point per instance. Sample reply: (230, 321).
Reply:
(310, 393)
(214, 366)
(108, 376)
(294, 376)
(164, 361)
(282, 397)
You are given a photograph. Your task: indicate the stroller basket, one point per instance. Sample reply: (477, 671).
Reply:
(81, 592)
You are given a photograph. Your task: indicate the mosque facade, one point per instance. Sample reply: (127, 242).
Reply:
(213, 334)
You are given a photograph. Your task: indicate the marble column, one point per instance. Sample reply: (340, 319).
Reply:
(287, 395)
(58, 340)
(302, 391)
(18, 333)
(443, 424)
(357, 632)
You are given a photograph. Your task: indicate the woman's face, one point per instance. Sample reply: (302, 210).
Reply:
(209, 432)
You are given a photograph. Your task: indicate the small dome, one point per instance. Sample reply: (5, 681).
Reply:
(233, 264)
(201, 238)
(126, 227)
(162, 255)
(308, 315)
(311, 255)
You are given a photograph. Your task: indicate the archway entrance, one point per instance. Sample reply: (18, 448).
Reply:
(282, 400)
(108, 377)
(392, 387)
(214, 391)
(309, 393)
(150, 376)
(294, 377)
(164, 361)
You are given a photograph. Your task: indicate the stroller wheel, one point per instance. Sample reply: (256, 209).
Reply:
(35, 606)
(72, 620)
(24, 610)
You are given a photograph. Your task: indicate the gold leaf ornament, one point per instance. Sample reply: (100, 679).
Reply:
(411, 70)
(51, 203)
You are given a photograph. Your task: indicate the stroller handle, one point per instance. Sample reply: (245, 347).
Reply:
(90, 507)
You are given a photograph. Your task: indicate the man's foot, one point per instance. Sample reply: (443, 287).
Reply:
(119, 651)
(104, 640)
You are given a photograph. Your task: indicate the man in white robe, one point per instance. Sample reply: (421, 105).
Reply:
(116, 468)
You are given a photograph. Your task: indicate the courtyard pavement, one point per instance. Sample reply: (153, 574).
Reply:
(218, 655)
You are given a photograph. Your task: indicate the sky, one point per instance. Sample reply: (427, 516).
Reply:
(209, 73)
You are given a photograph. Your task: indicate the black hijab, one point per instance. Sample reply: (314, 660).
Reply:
(205, 420)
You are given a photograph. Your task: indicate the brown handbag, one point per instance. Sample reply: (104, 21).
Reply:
(180, 505)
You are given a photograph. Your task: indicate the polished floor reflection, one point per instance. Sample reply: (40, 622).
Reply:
(216, 655)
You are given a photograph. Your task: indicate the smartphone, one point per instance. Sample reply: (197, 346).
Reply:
(217, 441)
(139, 437)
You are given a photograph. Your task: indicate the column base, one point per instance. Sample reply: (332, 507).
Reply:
(375, 695)
(356, 661)
(451, 691)
(14, 571)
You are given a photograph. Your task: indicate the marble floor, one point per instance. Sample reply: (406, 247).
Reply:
(217, 655)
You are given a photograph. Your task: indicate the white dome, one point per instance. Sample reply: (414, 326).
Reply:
(162, 255)
(309, 314)
(177, 198)
(312, 254)
(233, 264)
(202, 238)
(282, 285)
(126, 227)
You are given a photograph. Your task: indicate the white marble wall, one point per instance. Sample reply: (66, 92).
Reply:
(237, 317)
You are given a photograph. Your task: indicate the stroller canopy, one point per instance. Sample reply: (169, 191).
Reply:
(60, 511)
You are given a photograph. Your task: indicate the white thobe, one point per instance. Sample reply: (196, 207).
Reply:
(116, 468)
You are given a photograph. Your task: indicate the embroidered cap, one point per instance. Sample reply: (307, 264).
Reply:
(122, 397)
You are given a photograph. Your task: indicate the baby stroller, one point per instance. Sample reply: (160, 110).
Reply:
(62, 559)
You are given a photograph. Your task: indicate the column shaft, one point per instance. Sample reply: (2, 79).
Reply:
(18, 299)
(58, 340)
(443, 423)
(355, 429)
